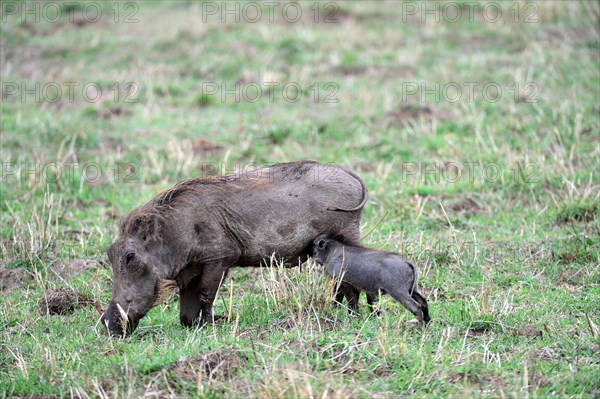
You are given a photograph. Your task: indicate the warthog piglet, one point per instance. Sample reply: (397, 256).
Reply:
(372, 271)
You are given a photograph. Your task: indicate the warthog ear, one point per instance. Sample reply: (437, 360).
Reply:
(111, 253)
(321, 244)
(166, 288)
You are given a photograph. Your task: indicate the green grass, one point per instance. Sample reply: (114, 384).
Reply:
(496, 202)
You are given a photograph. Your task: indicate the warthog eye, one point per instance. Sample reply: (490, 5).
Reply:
(129, 257)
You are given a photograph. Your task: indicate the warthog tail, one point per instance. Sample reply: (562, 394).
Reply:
(365, 195)
(415, 279)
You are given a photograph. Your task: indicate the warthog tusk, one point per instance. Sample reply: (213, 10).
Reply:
(124, 318)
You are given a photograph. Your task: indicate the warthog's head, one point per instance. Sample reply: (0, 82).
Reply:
(137, 285)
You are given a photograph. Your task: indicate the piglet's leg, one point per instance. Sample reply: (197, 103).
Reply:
(424, 307)
(405, 299)
(352, 295)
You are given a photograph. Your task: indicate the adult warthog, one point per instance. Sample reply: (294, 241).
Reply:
(191, 234)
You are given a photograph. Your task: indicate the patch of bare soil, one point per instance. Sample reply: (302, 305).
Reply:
(62, 301)
(573, 277)
(477, 332)
(572, 35)
(217, 364)
(578, 215)
(571, 280)
(208, 169)
(473, 379)
(413, 112)
(436, 294)
(287, 324)
(330, 14)
(13, 278)
(327, 324)
(74, 267)
(112, 113)
(366, 166)
(111, 214)
(351, 70)
(203, 146)
(383, 371)
(527, 331)
(466, 205)
(547, 353)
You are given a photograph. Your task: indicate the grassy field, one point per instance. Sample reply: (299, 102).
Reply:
(478, 138)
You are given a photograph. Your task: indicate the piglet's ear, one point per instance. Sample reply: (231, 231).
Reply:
(321, 244)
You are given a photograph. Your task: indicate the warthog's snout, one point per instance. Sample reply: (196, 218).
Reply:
(117, 322)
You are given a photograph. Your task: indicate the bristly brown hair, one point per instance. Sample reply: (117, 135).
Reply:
(166, 289)
(165, 197)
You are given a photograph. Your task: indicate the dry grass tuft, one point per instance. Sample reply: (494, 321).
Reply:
(301, 292)
(300, 382)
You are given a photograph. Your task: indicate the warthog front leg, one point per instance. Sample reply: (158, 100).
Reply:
(189, 302)
(212, 277)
